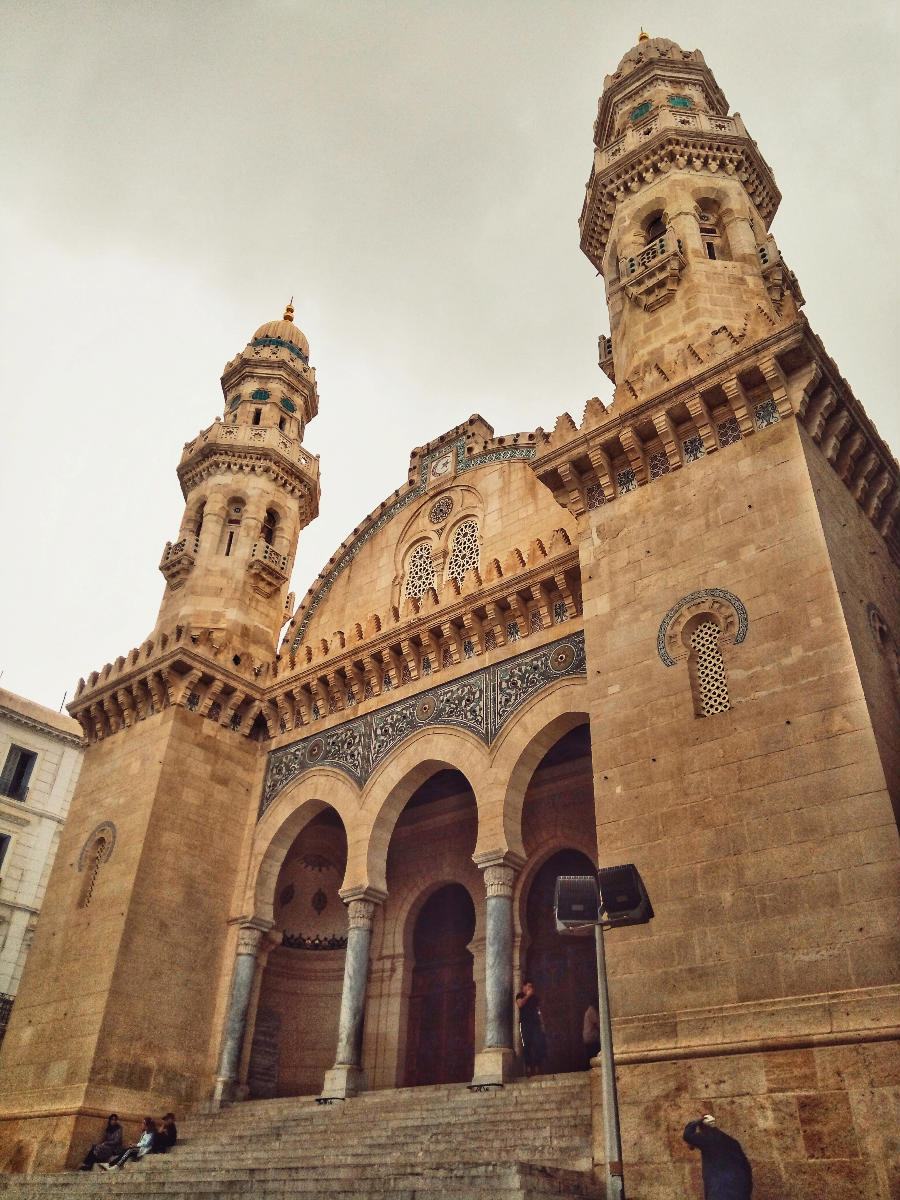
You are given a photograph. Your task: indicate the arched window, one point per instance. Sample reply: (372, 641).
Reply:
(270, 520)
(655, 227)
(711, 235)
(706, 666)
(94, 861)
(420, 574)
(465, 551)
(195, 523)
(233, 522)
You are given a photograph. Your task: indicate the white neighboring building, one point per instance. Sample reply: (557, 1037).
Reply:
(40, 757)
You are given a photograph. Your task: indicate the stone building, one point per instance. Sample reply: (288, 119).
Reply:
(40, 757)
(665, 634)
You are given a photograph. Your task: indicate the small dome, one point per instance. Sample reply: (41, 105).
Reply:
(284, 331)
(652, 47)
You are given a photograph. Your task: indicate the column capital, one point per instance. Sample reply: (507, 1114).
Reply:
(361, 904)
(499, 880)
(249, 938)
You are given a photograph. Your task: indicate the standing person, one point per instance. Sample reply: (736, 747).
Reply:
(144, 1146)
(168, 1130)
(726, 1171)
(531, 1028)
(590, 1033)
(110, 1145)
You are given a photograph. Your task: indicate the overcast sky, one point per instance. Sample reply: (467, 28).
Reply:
(412, 173)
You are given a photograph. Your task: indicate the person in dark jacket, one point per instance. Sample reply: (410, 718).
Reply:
(109, 1146)
(531, 1028)
(726, 1171)
(169, 1130)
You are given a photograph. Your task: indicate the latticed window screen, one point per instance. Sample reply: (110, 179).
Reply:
(94, 863)
(420, 576)
(464, 554)
(708, 670)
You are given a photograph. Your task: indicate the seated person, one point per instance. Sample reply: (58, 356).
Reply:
(110, 1145)
(149, 1143)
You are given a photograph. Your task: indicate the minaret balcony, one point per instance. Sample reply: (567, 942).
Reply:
(244, 440)
(605, 347)
(268, 568)
(650, 277)
(178, 560)
(678, 119)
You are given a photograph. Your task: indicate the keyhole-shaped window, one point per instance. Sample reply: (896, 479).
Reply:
(709, 683)
(420, 575)
(94, 862)
(464, 553)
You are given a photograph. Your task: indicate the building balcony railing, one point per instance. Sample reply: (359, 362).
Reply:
(605, 347)
(268, 568)
(651, 276)
(242, 437)
(667, 117)
(178, 559)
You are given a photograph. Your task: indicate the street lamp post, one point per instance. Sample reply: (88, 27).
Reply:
(581, 901)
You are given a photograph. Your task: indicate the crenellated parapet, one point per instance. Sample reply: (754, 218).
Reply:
(499, 609)
(787, 376)
(201, 670)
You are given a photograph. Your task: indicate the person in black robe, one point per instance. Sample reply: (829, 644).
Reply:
(531, 1028)
(726, 1171)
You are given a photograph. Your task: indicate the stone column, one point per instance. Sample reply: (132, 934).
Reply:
(495, 1062)
(249, 937)
(266, 947)
(346, 1077)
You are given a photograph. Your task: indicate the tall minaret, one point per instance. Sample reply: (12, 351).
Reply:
(249, 488)
(676, 218)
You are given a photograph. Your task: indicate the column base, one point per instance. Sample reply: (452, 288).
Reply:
(344, 1081)
(496, 1064)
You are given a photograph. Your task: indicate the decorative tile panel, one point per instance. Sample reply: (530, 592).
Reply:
(693, 448)
(766, 414)
(481, 702)
(626, 481)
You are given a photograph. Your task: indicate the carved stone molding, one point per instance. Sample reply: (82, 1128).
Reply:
(249, 939)
(724, 605)
(360, 914)
(499, 880)
(481, 702)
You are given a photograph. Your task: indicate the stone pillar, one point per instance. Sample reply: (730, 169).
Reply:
(266, 947)
(346, 1077)
(495, 1062)
(249, 937)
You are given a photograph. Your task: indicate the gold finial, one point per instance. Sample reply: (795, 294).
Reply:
(289, 312)
(644, 36)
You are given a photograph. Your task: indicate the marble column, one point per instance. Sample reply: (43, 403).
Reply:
(346, 1077)
(249, 939)
(495, 1062)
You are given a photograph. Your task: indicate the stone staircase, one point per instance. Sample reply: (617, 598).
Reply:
(528, 1140)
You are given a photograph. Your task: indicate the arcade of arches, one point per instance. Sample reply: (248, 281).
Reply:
(416, 987)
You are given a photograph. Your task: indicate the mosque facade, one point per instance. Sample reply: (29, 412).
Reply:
(665, 635)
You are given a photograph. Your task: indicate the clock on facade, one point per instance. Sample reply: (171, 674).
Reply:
(441, 466)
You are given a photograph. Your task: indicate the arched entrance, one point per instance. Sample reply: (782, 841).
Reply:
(295, 1031)
(440, 1046)
(558, 826)
(564, 969)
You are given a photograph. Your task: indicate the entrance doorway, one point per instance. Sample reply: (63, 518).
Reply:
(441, 1039)
(563, 968)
